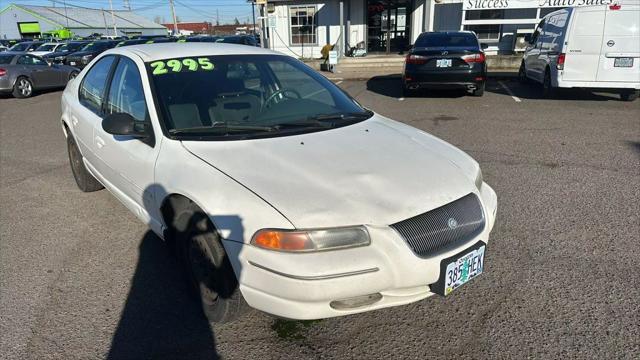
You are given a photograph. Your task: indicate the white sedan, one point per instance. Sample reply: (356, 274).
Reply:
(276, 188)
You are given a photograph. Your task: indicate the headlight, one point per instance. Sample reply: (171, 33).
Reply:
(59, 58)
(311, 240)
(479, 179)
(86, 59)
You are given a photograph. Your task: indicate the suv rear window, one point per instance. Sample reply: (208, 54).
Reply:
(446, 40)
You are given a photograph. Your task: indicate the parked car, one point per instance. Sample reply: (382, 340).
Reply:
(595, 47)
(26, 46)
(9, 42)
(3, 48)
(274, 186)
(201, 38)
(131, 42)
(47, 48)
(81, 58)
(445, 60)
(59, 56)
(239, 39)
(21, 74)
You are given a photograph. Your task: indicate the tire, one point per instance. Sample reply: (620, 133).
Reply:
(548, 91)
(206, 266)
(629, 95)
(522, 74)
(479, 91)
(85, 181)
(23, 88)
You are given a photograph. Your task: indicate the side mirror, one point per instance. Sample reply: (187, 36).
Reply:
(527, 38)
(125, 124)
(484, 46)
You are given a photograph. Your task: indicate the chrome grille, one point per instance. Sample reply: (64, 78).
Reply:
(454, 223)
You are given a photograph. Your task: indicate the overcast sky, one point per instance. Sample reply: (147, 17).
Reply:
(186, 10)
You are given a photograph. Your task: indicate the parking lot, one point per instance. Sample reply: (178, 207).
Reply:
(82, 278)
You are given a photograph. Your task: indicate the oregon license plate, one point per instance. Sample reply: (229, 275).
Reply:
(459, 269)
(72, 63)
(623, 62)
(443, 63)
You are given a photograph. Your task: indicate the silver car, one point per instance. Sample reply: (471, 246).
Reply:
(22, 73)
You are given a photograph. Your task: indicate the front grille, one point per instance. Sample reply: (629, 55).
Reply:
(454, 223)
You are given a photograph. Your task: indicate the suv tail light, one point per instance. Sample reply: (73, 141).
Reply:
(474, 58)
(3, 72)
(415, 59)
(561, 59)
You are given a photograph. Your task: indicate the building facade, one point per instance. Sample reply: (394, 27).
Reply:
(27, 21)
(302, 27)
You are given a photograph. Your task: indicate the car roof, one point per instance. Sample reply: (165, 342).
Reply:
(159, 51)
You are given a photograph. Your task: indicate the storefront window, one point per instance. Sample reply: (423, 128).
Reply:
(485, 32)
(303, 25)
(546, 11)
(484, 14)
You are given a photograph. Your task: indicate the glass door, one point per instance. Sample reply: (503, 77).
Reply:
(388, 27)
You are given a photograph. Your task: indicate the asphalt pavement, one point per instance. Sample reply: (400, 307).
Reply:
(81, 278)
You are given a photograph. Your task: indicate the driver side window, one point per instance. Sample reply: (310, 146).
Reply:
(536, 34)
(126, 94)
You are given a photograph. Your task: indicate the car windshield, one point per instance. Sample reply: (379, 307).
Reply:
(20, 47)
(233, 96)
(46, 47)
(447, 40)
(5, 59)
(96, 46)
(68, 47)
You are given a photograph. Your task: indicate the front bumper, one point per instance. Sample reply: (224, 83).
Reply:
(302, 286)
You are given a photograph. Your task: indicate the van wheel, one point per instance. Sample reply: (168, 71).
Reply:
(85, 181)
(629, 95)
(522, 74)
(207, 267)
(23, 88)
(547, 88)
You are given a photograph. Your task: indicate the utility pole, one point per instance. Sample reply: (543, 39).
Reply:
(253, 13)
(217, 17)
(175, 21)
(113, 19)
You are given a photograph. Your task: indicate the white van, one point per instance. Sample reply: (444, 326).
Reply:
(587, 47)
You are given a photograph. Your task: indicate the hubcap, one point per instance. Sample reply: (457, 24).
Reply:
(25, 87)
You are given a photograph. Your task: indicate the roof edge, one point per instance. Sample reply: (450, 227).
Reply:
(32, 14)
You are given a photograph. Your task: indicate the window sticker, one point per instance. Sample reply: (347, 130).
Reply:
(181, 65)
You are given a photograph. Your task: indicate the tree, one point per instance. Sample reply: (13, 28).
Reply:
(236, 21)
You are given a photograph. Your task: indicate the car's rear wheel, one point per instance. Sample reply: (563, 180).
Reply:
(23, 88)
(86, 182)
(548, 91)
(629, 95)
(479, 91)
(207, 267)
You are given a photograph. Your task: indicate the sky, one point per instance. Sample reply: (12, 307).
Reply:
(186, 10)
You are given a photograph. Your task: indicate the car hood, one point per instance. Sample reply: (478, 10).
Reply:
(81, 54)
(375, 172)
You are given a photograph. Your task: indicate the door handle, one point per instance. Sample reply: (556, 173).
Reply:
(99, 142)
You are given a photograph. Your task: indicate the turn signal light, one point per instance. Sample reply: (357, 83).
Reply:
(311, 240)
(285, 241)
(3, 72)
(561, 60)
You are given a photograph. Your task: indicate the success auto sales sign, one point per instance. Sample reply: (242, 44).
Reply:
(523, 4)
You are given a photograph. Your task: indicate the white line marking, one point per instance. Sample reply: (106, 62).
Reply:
(506, 88)
(401, 99)
(339, 82)
(332, 78)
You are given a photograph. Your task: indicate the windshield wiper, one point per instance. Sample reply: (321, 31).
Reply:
(220, 129)
(341, 116)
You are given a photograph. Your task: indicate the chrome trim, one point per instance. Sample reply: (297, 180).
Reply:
(318, 277)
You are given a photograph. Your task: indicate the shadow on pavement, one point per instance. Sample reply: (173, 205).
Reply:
(533, 91)
(160, 320)
(391, 85)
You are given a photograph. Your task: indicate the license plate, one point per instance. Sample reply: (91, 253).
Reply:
(623, 62)
(72, 63)
(459, 269)
(443, 63)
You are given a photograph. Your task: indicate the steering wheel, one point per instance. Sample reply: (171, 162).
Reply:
(282, 92)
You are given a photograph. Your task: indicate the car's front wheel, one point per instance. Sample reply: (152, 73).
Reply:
(85, 181)
(23, 88)
(207, 266)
